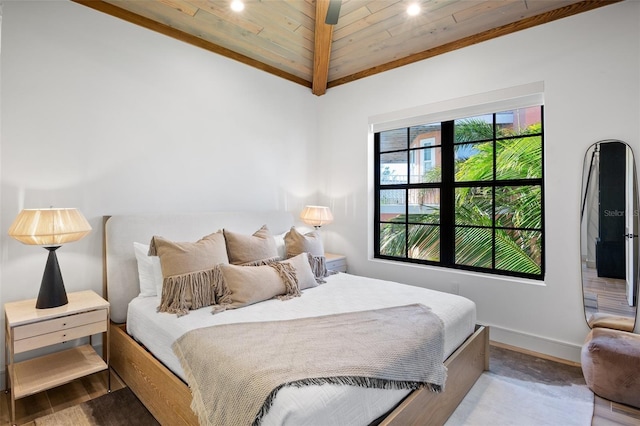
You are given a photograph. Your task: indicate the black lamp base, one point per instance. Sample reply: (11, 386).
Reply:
(52, 293)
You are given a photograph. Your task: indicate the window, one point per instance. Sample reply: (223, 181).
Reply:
(465, 193)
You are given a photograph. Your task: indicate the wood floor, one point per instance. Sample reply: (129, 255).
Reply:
(32, 407)
(606, 413)
(605, 295)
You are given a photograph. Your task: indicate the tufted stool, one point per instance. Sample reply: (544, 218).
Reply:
(611, 365)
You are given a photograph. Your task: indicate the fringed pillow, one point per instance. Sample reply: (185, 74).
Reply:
(251, 250)
(246, 285)
(301, 264)
(311, 243)
(190, 277)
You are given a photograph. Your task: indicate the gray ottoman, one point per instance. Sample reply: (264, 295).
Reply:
(611, 365)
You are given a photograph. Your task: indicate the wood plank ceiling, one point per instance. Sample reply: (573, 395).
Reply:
(284, 37)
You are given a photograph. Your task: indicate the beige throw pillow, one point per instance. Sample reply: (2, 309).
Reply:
(296, 243)
(246, 285)
(305, 276)
(259, 248)
(311, 243)
(189, 274)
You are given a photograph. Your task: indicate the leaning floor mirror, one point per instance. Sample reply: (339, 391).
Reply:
(609, 236)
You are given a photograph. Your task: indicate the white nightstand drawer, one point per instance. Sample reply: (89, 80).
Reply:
(58, 330)
(336, 262)
(58, 337)
(57, 324)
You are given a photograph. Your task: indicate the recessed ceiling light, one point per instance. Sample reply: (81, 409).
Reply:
(413, 9)
(237, 6)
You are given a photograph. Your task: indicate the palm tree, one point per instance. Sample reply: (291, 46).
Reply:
(518, 209)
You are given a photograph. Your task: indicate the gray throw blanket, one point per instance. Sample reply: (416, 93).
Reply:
(235, 370)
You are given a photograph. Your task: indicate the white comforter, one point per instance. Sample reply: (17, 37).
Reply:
(311, 405)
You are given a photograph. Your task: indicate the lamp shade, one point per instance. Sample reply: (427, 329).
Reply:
(316, 215)
(49, 227)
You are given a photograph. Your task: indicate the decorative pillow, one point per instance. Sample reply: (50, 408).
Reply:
(280, 246)
(190, 279)
(310, 243)
(149, 271)
(305, 276)
(296, 243)
(257, 249)
(246, 285)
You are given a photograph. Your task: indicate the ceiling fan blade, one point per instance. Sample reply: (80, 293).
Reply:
(333, 12)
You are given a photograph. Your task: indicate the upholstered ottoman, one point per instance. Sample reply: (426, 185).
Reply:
(611, 365)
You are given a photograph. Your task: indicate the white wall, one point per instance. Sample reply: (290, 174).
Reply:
(111, 118)
(590, 66)
(108, 117)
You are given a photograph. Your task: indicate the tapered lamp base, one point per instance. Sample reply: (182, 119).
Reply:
(52, 293)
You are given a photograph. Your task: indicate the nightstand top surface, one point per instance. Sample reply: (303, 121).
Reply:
(334, 256)
(25, 312)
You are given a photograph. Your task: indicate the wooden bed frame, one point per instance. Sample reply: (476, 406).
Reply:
(168, 398)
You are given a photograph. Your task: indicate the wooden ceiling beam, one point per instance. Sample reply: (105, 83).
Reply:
(322, 49)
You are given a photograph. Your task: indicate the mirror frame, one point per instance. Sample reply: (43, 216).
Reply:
(601, 250)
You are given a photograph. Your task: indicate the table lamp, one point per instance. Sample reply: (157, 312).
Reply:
(316, 215)
(50, 228)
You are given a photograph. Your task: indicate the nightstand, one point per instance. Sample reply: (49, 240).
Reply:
(28, 328)
(336, 262)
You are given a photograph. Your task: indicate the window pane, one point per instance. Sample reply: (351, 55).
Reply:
(392, 203)
(393, 140)
(521, 121)
(424, 242)
(424, 205)
(471, 129)
(474, 247)
(424, 165)
(519, 206)
(474, 206)
(393, 168)
(473, 162)
(519, 251)
(425, 135)
(392, 240)
(519, 158)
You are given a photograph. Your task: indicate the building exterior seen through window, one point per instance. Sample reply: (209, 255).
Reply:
(465, 193)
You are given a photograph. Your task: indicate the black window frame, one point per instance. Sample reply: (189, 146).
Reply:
(447, 188)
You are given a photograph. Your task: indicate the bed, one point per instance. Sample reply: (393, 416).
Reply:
(141, 338)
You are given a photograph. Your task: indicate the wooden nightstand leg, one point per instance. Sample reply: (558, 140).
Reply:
(13, 409)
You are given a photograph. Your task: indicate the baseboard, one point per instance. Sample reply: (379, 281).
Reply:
(537, 345)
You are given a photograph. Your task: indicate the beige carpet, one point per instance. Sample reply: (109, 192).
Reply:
(499, 401)
(524, 390)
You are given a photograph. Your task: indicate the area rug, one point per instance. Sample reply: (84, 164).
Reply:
(118, 408)
(526, 391)
(499, 401)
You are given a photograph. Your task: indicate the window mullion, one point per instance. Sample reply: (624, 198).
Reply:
(447, 196)
(493, 193)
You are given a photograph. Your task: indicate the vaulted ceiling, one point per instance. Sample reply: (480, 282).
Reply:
(289, 38)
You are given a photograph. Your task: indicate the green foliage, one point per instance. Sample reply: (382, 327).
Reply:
(518, 209)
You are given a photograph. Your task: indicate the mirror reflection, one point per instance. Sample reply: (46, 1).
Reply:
(609, 236)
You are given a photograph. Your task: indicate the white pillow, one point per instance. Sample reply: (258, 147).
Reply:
(279, 239)
(149, 271)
